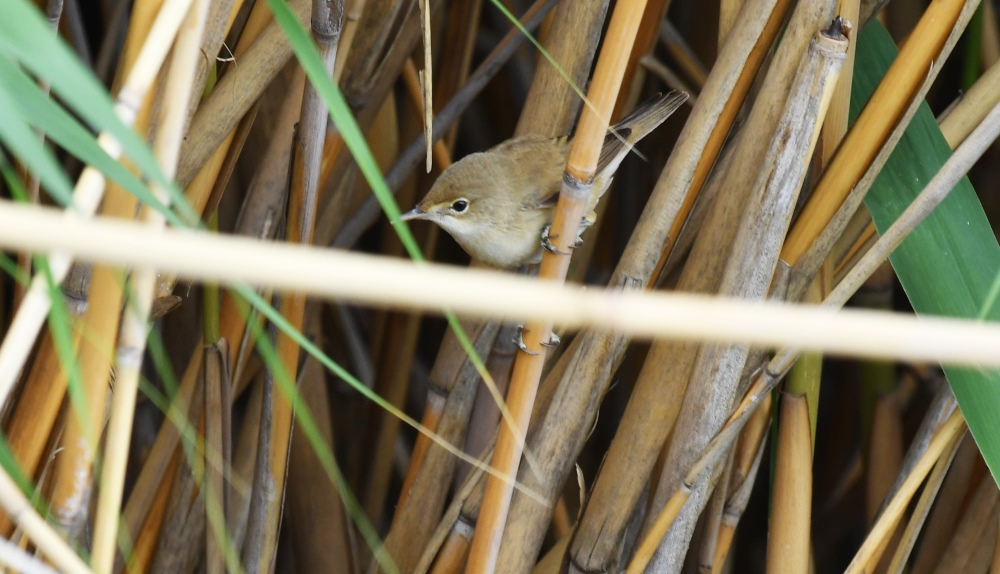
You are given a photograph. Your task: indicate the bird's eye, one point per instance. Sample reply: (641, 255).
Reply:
(459, 206)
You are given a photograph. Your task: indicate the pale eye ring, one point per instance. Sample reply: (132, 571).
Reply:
(460, 206)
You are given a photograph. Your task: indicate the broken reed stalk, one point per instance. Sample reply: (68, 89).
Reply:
(87, 194)
(134, 327)
(876, 121)
(327, 19)
(788, 537)
(933, 194)
(576, 189)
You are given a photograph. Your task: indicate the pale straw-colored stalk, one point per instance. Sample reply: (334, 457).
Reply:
(87, 194)
(134, 327)
(37, 530)
(331, 274)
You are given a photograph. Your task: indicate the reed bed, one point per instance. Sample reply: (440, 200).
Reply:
(223, 351)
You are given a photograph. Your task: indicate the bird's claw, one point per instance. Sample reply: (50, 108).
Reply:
(547, 241)
(553, 341)
(519, 341)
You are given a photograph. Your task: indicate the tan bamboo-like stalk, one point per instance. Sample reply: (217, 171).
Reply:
(37, 410)
(88, 192)
(327, 18)
(948, 506)
(748, 452)
(132, 338)
(217, 405)
(788, 537)
(969, 546)
(580, 170)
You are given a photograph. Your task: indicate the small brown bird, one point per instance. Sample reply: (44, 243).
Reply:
(498, 204)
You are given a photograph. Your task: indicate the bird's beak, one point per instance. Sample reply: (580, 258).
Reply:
(415, 213)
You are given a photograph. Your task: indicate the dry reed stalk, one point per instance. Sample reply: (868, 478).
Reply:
(789, 533)
(972, 108)
(144, 545)
(33, 418)
(87, 194)
(327, 17)
(928, 497)
(45, 538)
(455, 379)
(317, 521)
(748, 453)
(134, 328)
(396, 335)
(755, 243)
(949, 431)
(235, 93)
(646, 421)
(681, 53)
(739, 61)
(974, 533)
(387, 33)
(217, 434)
(885, 454)
(936, 190)
(581, 166)
(139, 519)
(949, 504)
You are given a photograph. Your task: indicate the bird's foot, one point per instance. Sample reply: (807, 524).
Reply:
(547, 241)
(553, 341)
(519, 341)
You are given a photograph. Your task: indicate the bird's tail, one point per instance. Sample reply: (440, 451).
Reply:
(637, 125)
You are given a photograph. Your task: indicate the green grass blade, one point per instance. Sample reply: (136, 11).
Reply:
(59, 126)
(28, 39)
(949, 264)
(18, 137)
